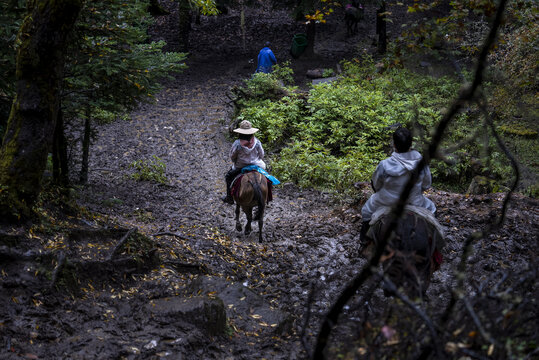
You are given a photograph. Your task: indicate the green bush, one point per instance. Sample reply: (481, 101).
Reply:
(337, 133)
(283, 72)
(277, 120)
(149, 170)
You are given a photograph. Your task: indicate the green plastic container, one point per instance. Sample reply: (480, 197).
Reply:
(299, 43)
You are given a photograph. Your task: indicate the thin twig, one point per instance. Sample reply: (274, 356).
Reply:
(167, 233)
(307, 319)
(466, 94)
(60, 264)
(477, 322)
(473, 354)
(507, 153)
(461, 144)
(393, 289)
(117, 248)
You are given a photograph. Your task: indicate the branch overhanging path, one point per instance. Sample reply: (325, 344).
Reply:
(468, 93)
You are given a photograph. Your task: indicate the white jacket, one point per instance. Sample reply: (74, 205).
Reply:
(243, 156)
(389, 180)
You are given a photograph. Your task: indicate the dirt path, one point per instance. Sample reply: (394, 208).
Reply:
(309, 240)
(304, 239)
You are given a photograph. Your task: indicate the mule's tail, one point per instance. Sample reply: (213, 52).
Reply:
(260, 200)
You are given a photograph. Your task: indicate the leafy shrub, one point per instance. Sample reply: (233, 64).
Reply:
(309, 164)
(328, 73)
(149, 170)
(260, 86)
(283, 72)
(339, 133)
(278, 121)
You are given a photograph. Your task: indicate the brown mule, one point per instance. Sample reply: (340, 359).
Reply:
(252, 192)
(413, 250)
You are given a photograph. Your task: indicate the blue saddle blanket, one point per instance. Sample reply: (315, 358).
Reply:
(271, 178)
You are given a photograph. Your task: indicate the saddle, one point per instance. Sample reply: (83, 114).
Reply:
(415, 225)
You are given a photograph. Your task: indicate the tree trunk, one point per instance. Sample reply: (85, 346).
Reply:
(85, 148)
(381, 28)
(28, 138)
(184, 24)
(59, 153)
(311, 35)
(155, 9)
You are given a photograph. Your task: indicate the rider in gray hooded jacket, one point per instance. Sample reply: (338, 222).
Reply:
(391, 176)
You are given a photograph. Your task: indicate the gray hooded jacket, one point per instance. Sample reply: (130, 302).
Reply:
(389, 180)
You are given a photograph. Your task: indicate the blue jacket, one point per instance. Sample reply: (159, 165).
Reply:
(266, 60)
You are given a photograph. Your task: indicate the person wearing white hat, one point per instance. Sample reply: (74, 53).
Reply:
(246, 150)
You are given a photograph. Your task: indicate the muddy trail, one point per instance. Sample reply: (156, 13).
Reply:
(148, 270)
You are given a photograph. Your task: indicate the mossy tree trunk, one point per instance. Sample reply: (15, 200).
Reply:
(29, 134)
(86, 147)
(184, 24)
(310, 30)
(156, 9)
(60, 167)
(381, 28)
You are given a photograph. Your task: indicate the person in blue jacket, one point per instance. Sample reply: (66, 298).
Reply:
(266, 59)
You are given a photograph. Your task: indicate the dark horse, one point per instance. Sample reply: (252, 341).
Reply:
(353, 13)
(413, 250)
(252, 192)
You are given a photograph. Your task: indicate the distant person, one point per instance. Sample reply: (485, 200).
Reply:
(246, 150)
(266, 59)
(391, 176)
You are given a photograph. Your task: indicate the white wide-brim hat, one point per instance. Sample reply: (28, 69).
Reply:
(246, 128)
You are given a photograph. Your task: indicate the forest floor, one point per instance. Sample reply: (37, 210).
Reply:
(198, 289)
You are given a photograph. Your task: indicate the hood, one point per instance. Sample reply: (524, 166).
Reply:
(400, 163)
(249, 144)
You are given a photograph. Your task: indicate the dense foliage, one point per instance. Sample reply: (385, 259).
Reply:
(336, 134)
(11, 14)
(111, 65)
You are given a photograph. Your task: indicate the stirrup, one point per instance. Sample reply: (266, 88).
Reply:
(228, 200)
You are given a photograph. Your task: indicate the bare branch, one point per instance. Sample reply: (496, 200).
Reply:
(167, 233)
(461, 144)
(507, 153)
(473, 354)
(466, 94)
(117, 248)
(58, 268)
(393, 289)
(477, 322)
(307, 319)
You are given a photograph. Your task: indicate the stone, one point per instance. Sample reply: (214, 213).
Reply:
(207, 314)
(248, 310)
(483, 185)
(324, 80)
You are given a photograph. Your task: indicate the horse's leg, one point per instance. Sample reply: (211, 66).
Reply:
(238, 224)
(260, 225)
(249, 214)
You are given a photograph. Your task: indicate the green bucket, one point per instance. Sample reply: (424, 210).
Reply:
(299, 43)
